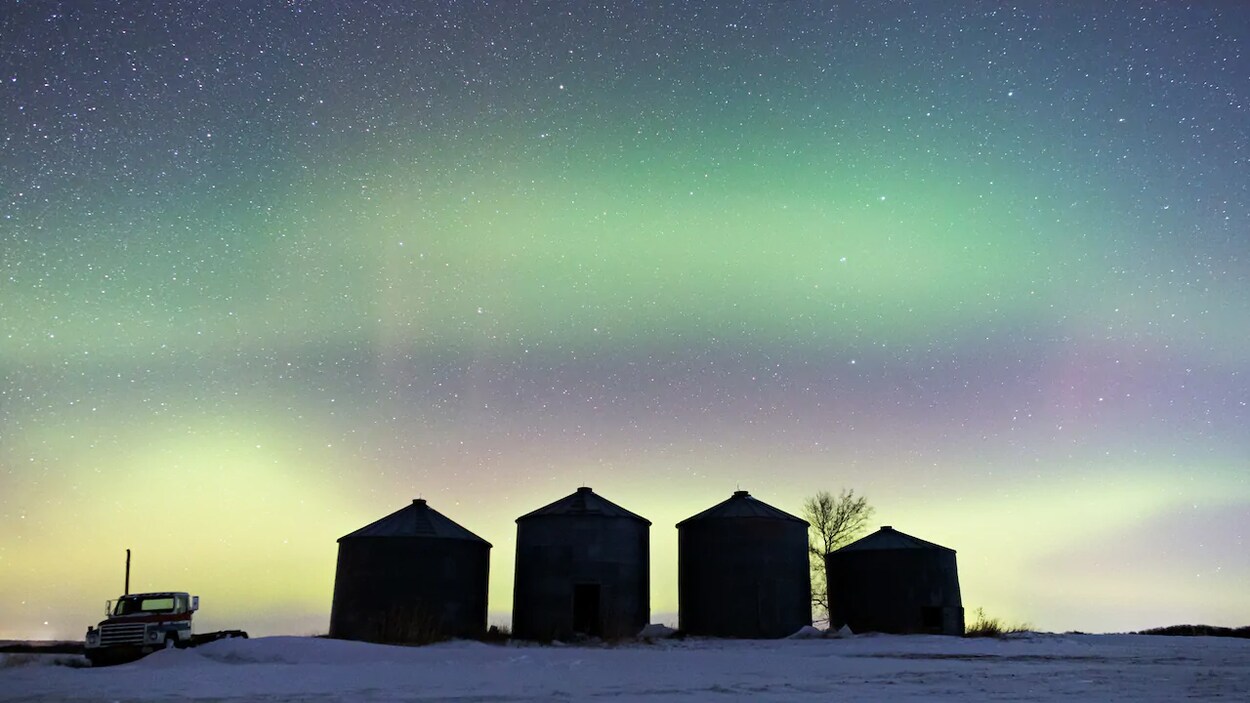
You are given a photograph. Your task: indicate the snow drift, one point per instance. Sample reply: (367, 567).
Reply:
(857, 668)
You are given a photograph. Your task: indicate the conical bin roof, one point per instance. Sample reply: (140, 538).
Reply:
(583, 501)
(889, 538)
(415, 520)
(742, 505)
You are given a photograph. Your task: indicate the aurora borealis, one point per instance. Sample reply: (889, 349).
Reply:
(272, 269)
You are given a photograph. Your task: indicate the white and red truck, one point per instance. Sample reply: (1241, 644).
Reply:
(141, 623)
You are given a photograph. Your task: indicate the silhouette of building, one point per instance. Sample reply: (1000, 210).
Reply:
(413, 576)
(893, 582)
(582, 568)
(742, 571)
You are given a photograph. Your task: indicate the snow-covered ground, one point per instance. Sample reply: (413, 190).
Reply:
(861, 668)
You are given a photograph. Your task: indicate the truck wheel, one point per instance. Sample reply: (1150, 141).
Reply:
(171, 642)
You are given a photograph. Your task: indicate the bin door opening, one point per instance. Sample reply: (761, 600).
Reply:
(586, 604)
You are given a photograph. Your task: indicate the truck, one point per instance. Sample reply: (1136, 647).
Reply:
(138, 624)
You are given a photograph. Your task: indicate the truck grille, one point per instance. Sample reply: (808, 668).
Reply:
(131, 633)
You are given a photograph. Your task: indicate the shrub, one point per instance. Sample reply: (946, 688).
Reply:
(1198, 631)
(497, 634)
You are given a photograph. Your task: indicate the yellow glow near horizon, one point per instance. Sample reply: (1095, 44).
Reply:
(252, 530)
(235, 513)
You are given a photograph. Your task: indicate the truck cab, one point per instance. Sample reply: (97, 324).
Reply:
(139, 623)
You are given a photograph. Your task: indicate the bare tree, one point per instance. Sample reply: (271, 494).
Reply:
(834, 521)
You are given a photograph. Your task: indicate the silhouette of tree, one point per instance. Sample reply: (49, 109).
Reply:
(834, 521)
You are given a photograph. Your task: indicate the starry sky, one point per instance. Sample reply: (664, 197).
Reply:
(270, 270)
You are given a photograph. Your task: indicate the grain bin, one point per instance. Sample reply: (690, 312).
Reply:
(582, 569)
(892, 582)
(743, 571)
(412, 577)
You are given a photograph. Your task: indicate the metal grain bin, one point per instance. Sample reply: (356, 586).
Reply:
(582, 568)
(893, 582)
(743, 571)
(412, 577)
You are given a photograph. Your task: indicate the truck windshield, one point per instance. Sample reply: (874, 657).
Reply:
(135, 605)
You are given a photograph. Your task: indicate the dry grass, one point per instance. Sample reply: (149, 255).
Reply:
(984, 626)
(410, 625)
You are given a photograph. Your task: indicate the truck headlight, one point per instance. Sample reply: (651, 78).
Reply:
(93, 638)
(154, 635)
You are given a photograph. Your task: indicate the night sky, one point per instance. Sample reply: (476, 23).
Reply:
(270, 270)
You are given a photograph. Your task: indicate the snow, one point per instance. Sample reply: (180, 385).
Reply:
(807, 632)
(855, 668)
(656, 631)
